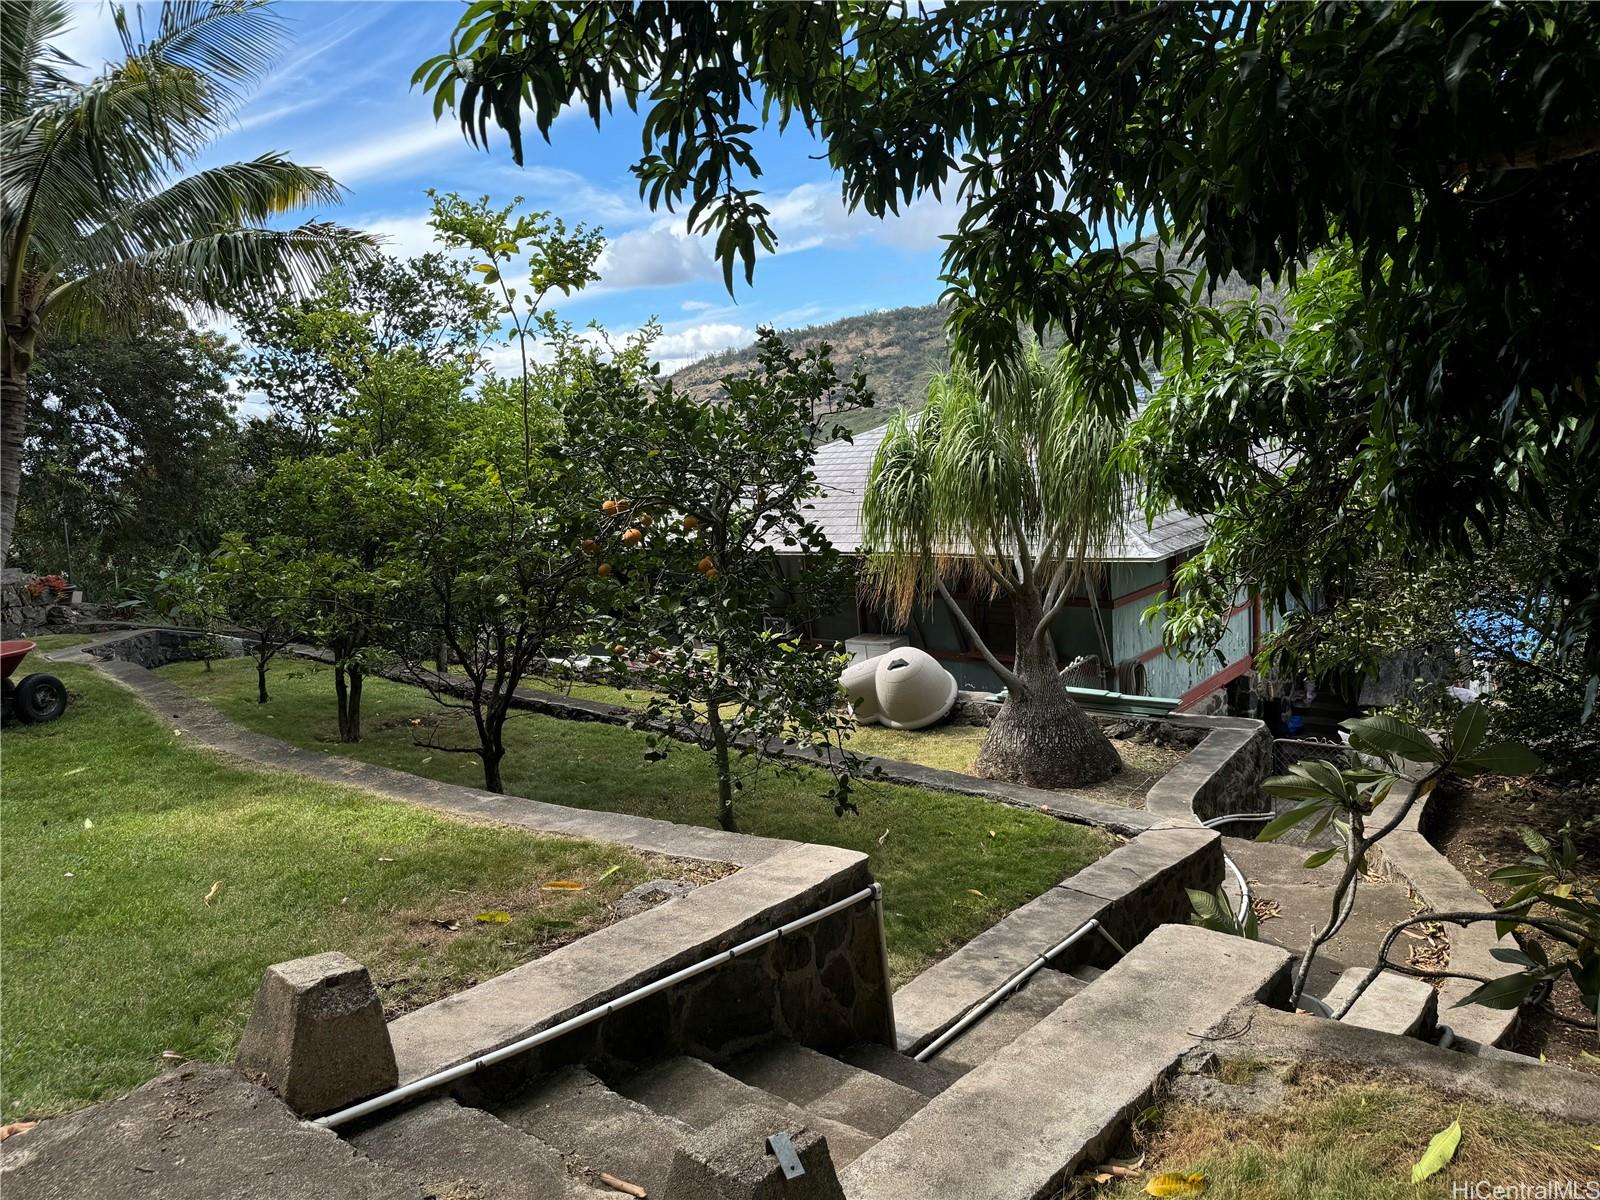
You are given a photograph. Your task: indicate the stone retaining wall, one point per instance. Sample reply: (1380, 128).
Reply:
(824, 986)
(1130, 892)
(1222, 775)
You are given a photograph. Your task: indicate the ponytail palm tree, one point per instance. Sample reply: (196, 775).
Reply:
(1010, 488)
(101, 224)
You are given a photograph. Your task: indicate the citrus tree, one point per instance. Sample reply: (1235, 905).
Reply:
(1008, 484)
(263, 590)
(101, 225)
(714, 564)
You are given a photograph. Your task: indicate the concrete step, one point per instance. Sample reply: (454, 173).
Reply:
(698, 1094)
(1018, 1126)
(928, 1078)
(448, 1150)
(1044, 993)
(826, 1087)
(599, 1130)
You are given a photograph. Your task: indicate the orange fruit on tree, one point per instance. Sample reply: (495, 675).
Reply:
(610, 506)
(604, 569)
(691, 522)
(646, 520)
(632, 537)
(619, 648)
(590, 545)
(705, 566)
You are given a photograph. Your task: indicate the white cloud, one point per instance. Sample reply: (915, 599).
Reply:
(813, 214)
(696, 306)
(656, 257)
(369, 158)
(685, 345)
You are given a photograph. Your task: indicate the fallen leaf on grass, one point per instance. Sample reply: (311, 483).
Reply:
(1439, 1152)
(14, 1128)
(493, 918)
(74, 771)
(562, 885)
(451, 926)
(1175, 1183)
(976, 892)
(174, 1055)
(609, 872)
(212, 894)
(385, 859)
(883, 837)
(87, 823)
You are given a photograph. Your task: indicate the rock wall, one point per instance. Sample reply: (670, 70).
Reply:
(1222, 775)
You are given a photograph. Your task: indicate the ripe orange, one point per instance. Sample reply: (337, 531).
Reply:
(619, 648)
(590, 545)
(691, 522)
(705, 566)
(604, 569)
(646, 520)
(610, 506)
(632, 537)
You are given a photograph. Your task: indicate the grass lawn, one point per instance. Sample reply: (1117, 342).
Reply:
(950, 865)
(947, 747)
(1339, 1137)
(116, 834)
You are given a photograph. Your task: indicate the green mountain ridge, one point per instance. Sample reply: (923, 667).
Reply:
(899, 349)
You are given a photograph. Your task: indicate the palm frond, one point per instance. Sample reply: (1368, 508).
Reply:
(225, 197)
(210, 272)
(32, 70)
(229, 43)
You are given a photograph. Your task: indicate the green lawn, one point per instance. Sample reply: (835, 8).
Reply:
(947, 747)
(950, 865)
(115, 833)
(1339, 1138)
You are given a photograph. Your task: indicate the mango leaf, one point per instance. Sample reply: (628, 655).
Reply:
(1438, 1154)
(1175, 1183)
(1320, 857)
(493, 918)
(1502, 758)
(561, 885)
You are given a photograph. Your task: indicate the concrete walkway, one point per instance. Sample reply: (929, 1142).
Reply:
(209, 727)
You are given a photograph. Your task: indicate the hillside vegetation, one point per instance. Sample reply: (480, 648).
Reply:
(898, 348)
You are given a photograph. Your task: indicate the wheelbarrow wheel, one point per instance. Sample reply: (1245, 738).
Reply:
(40, 698)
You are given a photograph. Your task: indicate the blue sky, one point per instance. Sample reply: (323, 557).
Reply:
(341, 99)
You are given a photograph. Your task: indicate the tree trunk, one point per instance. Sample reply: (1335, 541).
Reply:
(14, 401)
(1041, 737)
(492, 747)
(261, 681)
(719, 744)
(441, 654)
(491, 770)
(347, 686)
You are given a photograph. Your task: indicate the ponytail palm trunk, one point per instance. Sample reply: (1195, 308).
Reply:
(1008, 489)
(99, 224)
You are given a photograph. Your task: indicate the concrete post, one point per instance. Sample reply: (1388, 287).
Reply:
(731, 1160)
(317, 1036)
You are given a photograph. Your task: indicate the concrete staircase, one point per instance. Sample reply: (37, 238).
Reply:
(1005, 1112)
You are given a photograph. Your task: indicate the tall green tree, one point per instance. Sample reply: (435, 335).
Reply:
(132, 450)
(715, 565)
(1454, 146)
(1008, 485)
(99, 222)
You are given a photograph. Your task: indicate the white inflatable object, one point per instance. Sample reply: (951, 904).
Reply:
(903, 689)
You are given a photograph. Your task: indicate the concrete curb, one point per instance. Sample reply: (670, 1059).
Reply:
(1442, 888)
(1222, 775)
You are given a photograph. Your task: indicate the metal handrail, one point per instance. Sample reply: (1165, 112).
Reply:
(450, 1074)
(976, 1013)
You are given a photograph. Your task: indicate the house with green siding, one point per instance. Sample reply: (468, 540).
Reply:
(1106, 623)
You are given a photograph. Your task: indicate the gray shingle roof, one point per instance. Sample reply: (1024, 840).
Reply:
(843, 467)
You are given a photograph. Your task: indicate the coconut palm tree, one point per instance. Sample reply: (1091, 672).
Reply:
(101, 222)
(1008, 485)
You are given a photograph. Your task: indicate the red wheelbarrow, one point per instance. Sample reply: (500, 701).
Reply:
(39, 697)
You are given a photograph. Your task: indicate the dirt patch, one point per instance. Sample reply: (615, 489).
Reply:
(1474, 823)
(533, 918)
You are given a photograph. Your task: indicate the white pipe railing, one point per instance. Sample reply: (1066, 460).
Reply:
(449, 1074)
(976, 1013)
